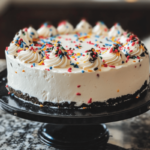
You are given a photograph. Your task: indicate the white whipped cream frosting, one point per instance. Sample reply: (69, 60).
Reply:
(83, 26)
(29, 36)
(58, 85)
(100, 29)
(84, 62)
(55, 60)
(123, 39)
(99, 85)
(65, 27)
(126, 37)
(12, 49)
(134, 49)
(47, 30)
(114, 58)
(29, 55)
(116, 31)
(22, 35)
(32, 32)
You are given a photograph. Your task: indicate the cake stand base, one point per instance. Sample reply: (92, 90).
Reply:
(74, 136)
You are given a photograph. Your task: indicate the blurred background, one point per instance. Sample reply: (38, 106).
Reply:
(16, 14)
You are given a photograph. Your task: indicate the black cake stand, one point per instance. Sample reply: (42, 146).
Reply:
(72, 129)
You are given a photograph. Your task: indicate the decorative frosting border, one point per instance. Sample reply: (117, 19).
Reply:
(41, 47)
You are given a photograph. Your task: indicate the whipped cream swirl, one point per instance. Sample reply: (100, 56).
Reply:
(126, 37)
(32, 32)
(12, 49)
(22, 39)
(31, 55)
(65, 27)
(123, 39)
(83, 26)
(90, 61)
(47, 30)
(115, 31)
(134, 48)
(114, 56)
(57, 58)
(100, 29)
(29, 37)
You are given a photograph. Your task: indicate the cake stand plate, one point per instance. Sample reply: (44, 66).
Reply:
(72, 128)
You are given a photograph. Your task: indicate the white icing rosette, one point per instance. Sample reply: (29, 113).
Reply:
(126, 37)
(31, 55)
(83, 27)
(116, 31)
(12, 49)
(32, 32)
(123, 39)
(57, 59)
(23, 37)
(65, 27)
(100, 29)
(29, 37)
(47, 30)
(90, 61)
(114, 57)
(134, 48)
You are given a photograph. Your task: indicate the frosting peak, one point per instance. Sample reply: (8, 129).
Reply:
(116, 31)
(21, 38)
(114, 56)
(47, 30)
(12, 49)
(32, 32)
(31, 55)
(134, 48)
(29, 36)
(65, 27)
(90, 61)
(83, 26)
(126, 37)
(100, 29)
(58, 58)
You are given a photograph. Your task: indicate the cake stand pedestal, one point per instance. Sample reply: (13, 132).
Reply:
(72, 129)
(74, 136)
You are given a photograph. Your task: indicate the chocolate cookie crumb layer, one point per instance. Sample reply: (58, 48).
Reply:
(110, 102)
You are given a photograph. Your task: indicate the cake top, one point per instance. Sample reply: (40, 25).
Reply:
(83, 49)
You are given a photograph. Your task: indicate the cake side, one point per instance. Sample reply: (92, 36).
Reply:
(59, 87)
